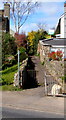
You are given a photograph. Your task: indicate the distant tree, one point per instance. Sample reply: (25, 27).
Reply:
(42, 26)
(20, 40)
(33, 39)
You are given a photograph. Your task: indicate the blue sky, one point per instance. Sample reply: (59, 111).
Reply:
(48, 13)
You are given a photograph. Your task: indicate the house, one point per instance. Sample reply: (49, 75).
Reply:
(60, 30)
(5, 18)
(48, 45)
(51, 31)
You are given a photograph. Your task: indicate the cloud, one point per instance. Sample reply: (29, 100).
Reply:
(51, 8)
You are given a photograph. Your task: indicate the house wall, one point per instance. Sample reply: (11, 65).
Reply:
(7, 10)
(62, 27)
(5, 18)
(65, 22)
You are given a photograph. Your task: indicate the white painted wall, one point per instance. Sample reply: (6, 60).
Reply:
(65, 22)
(62, 27)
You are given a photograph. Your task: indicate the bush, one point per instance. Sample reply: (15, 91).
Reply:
(23, 54)
(9, 61)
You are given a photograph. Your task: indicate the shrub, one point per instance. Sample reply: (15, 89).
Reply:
(23, 54)
(9, 61)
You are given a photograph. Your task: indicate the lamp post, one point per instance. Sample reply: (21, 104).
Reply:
(18, 69)
(17, 42)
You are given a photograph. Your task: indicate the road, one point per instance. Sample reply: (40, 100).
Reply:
(22, 113)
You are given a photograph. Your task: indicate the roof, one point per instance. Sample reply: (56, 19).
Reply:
(55, 42)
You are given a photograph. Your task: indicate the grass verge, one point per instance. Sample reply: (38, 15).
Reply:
(9, 88)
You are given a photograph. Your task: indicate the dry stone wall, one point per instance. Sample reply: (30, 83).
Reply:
(16, 82)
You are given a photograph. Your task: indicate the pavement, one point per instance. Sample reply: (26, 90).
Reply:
(32, 99)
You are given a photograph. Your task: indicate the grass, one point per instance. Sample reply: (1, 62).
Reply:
(7, 79)
(8, 75)
(9, 88)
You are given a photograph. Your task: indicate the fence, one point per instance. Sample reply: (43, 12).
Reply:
(49, 82)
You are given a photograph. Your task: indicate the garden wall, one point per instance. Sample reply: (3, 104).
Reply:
(56, 69)
(22, 67)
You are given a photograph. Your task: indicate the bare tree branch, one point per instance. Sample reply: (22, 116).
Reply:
(20, 11)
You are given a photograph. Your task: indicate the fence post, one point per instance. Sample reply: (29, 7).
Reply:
(45, 84)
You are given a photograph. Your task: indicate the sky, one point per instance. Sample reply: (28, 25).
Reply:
(47, 13)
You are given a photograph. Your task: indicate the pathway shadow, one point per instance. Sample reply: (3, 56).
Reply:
(29, 75)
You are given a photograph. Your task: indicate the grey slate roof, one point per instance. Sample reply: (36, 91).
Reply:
(55, 41)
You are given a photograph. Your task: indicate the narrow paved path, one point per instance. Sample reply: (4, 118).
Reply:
(40, 74)
(39, 69)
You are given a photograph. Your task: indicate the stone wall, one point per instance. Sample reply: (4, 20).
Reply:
(56, 69)
(43, 50)
(22, 67)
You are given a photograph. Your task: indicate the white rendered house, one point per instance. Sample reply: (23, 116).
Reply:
(60, 30)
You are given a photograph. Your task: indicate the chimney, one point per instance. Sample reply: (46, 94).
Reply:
(7, 10)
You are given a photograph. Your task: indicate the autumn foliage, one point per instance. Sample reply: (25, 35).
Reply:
(55, 55)
(20, 40)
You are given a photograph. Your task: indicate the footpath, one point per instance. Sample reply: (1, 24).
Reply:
(34, 98)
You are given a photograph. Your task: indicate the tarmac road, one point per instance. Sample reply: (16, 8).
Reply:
(22, 113)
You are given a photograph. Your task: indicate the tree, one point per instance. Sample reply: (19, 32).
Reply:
(8, 45)
(33, 39)
(42, 26)
(20, 11)
(20, 40)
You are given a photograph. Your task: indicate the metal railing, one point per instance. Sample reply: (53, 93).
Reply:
(48, 84)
